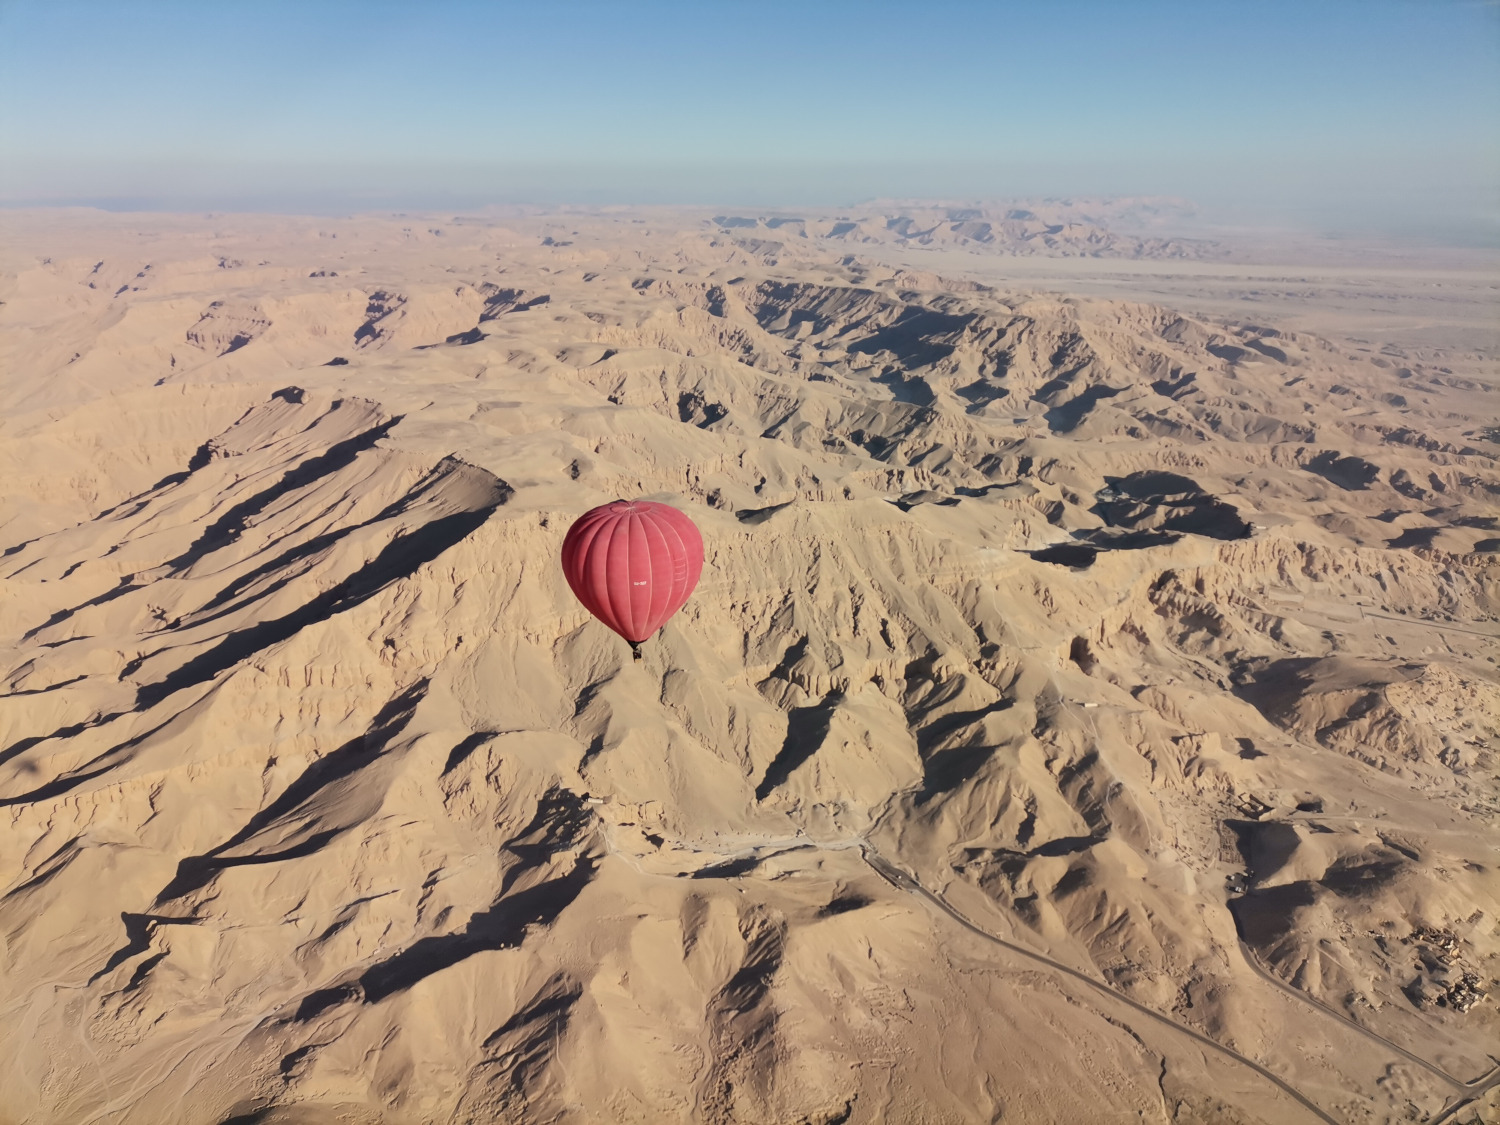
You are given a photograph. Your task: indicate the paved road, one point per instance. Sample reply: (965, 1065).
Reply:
(1467, 1092)
(1483, 1082)
(905, 882)
(1440, 626)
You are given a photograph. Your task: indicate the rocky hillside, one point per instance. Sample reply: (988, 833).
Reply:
(1160, 650)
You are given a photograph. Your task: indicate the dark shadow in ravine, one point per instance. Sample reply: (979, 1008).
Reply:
(1070, 415)
(915, 336)
(196, 871)
(502, 926)
(806, 729)
(401, 558)
(227, 528)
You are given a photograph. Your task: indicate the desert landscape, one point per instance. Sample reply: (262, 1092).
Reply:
(1089, 710)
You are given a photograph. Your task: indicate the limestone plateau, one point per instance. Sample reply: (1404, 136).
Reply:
(1088, 711)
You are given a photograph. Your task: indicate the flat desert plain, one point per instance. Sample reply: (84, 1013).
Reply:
(1088, 712)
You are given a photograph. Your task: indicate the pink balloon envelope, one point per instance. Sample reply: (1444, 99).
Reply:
(633, 563)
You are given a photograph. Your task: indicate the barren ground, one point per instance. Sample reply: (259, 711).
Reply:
(1088, 712)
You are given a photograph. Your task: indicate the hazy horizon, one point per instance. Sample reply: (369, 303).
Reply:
(1372, 116)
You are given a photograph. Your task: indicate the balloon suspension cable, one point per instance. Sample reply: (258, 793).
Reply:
(635, 647)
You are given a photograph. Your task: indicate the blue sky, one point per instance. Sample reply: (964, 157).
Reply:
(1321, 108)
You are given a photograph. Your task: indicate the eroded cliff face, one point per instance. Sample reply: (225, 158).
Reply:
(1162, 648)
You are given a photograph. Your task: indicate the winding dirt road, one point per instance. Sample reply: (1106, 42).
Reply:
(1467, 1093)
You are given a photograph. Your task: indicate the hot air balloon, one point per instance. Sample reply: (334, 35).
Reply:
(633, 564)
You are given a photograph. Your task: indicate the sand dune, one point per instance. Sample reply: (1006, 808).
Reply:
(1159, 646)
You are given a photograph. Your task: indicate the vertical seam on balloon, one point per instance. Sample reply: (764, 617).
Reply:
(678, 594)
(575, 552)
(609, 594)
(656, 617)
(583, 551)
(627, 615)
(694, 556)
(620, 538)
(570, 548)
(638, 626)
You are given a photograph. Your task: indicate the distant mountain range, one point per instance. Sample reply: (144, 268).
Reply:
(1102, 228)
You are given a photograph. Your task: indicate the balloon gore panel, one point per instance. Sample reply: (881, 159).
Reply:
(633, 563)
